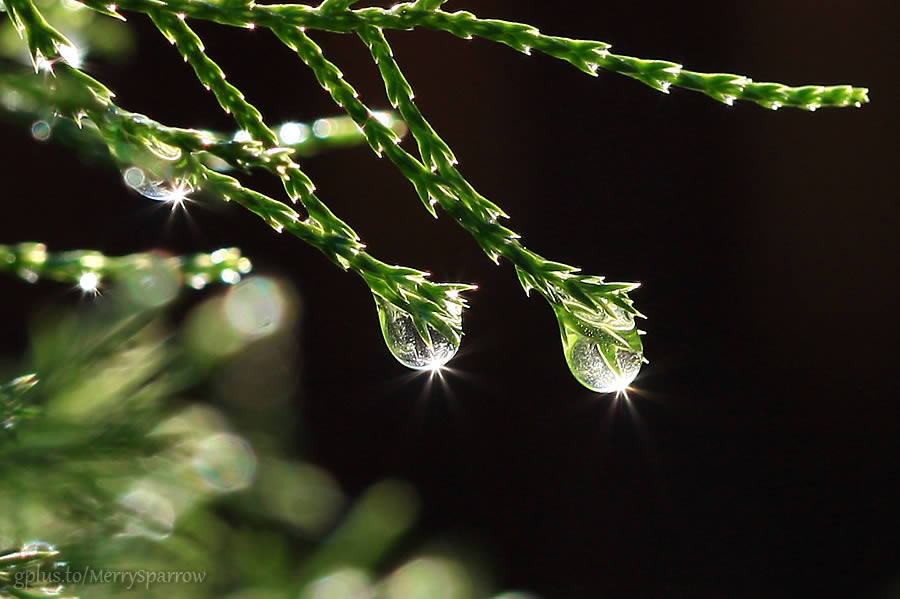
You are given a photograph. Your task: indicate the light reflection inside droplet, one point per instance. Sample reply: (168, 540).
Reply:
(157, 190)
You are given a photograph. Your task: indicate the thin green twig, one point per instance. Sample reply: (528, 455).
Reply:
(31, 261)
(436, 305)
(586, 55)
(589, 300)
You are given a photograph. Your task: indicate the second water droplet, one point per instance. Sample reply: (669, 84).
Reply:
(591, 368)
(407, 345)
(596, 358)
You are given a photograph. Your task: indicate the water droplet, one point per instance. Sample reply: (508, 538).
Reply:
(242, 136)
(2, 6)
(157, 190)
(589, 352)
(38, 547)
(590, 367)
(40, 130)
(405, 342)
(225, 462)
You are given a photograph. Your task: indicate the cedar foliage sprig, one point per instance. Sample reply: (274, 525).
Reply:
(31, 261)
(434, 305)
(588, 302)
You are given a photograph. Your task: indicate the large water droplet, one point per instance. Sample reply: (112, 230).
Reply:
(405, 342)
(591, 368)
(155, 189)
(589, 355)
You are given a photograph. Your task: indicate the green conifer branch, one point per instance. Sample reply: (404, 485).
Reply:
(297, 183)
(585, 55)
(585, 303)
(437, 305)
(587, 300)
(31, 261)
(237, 153)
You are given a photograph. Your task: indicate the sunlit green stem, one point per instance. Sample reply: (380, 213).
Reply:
(31, 259)
(586, 55)
(434, 304)
(443, 184)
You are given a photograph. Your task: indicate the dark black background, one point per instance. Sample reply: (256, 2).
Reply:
(760, 455)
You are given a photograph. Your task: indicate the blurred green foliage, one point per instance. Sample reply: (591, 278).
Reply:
(121, 470)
